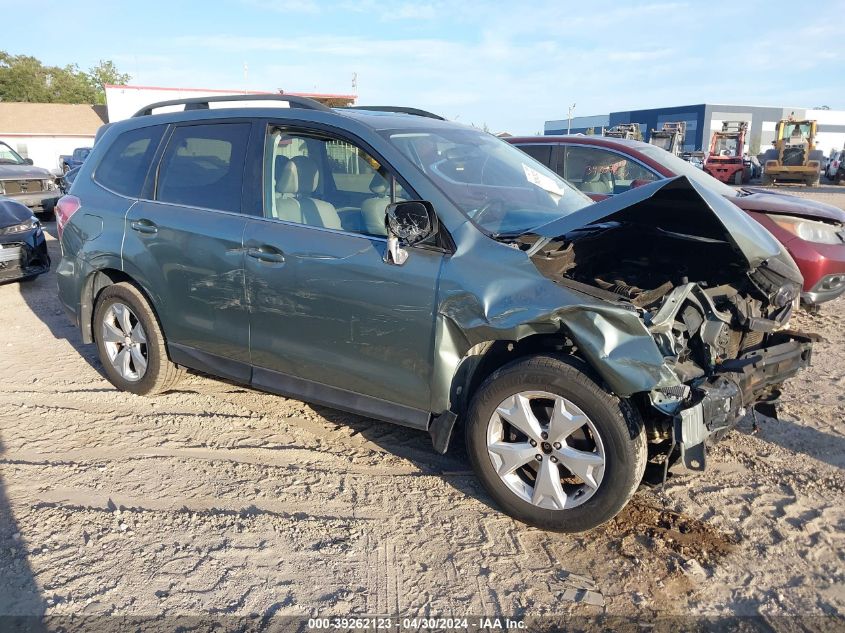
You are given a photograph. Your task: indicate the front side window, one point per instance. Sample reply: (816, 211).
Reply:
(600, 171)
(497, 186)
(203, 166)
(321, 181)
(125, 164)
(8, 156)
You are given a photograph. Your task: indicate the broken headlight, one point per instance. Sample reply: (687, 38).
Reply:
(785, 295)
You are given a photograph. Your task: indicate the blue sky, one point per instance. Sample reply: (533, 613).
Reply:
(509, 65)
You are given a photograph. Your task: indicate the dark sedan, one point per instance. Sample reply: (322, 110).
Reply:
(23, 249)
(812, 232)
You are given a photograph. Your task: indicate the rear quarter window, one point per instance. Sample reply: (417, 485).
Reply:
(125, 164)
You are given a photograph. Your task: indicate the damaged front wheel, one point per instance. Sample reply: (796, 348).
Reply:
(552, 447)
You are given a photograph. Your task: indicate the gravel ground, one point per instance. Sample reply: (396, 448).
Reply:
(217, 499)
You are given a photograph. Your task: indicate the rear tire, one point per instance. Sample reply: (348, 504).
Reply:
(593, 433)
(130, 342)
(767, 180)
(738, 178)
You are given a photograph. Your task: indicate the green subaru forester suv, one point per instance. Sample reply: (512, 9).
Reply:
(387, 262)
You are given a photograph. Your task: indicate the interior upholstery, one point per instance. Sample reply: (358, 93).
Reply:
(279, 167)
(597, 183)
(373, 209)
(295, 184)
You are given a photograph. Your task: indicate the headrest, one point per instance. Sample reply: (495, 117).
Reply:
(280, 163)
(378, 185)
(299, 176)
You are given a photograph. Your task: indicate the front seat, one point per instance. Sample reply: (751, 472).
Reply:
(294, 202)
(594, 183)
(373, 209)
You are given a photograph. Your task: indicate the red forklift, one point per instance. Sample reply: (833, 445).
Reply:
(725, 161)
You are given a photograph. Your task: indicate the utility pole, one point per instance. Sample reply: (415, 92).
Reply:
(569, 125)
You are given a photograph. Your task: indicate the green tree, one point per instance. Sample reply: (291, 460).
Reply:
(25, 78)
(104, 74)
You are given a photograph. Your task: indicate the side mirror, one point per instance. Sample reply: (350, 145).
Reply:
(408, 222)
(28, 161)
(411, 221)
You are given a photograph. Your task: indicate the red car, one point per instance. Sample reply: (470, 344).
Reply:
(812, 232)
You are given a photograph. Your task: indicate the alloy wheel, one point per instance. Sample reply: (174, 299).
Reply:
(125, 342)
(546, 450)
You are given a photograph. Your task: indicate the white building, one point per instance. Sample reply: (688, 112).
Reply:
(124, 101)
(45, 131)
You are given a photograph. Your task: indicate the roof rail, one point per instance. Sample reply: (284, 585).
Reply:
(398, 109)
(201, 103)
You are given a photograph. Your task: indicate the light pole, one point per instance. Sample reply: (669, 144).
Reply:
(569, 125)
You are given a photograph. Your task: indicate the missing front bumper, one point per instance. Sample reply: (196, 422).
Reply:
(723, 399)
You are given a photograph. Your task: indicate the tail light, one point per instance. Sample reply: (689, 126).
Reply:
(65, 208)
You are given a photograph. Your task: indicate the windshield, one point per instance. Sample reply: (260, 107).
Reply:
(681, 167)
(725, 146)
(501, 189)
(796, 132)
(8, 156)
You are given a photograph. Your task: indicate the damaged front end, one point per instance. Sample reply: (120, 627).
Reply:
(714, 290)
(23, 247)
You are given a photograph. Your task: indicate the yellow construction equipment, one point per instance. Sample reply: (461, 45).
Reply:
(794, 157)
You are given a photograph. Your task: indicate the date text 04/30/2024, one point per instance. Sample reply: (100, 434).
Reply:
(416, 624)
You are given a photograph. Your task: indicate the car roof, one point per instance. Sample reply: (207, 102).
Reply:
(372, 119)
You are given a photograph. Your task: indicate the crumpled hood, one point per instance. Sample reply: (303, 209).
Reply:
(764, 201)
(12, 213)
(682, 206)
(24, 172)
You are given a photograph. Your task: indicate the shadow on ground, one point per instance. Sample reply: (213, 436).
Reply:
(21, 602)
(791, 434)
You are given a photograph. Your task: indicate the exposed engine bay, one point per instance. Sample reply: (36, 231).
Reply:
(695, 294)
(720, 325)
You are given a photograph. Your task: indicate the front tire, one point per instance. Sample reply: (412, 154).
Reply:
(552, 447)
(130, 343)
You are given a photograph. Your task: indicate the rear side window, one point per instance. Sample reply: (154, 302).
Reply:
(203, 166)
(125, 164)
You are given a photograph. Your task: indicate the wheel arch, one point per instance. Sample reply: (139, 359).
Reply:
(483, 359)
(95, 283)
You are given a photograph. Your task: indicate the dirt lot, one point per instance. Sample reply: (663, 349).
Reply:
(218, 499)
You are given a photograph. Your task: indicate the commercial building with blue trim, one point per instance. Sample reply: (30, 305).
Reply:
(704, 118)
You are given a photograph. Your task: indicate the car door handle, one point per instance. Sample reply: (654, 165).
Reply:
(144, 226)
(267, 254)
